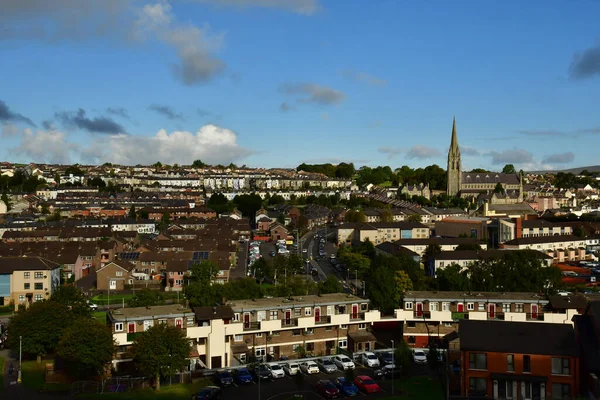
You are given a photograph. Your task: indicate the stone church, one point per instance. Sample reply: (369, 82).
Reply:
(480, 186)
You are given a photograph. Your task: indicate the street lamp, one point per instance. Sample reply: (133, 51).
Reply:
(393, 366)
(20, 358)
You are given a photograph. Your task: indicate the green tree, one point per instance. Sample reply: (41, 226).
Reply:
(403, 282)
(248, 204)
(451, 278)
(198, 164)
(147, 297)
(200, 291)
(355, 262)
(240, 289)
(87, 347)
(355, 216)
(72, 299)
(161, 351)
(41, 326)
(386, 215)
(143, 213)
(276, 199)
(330, 285)
(499, 188)
(430, 253)
(6, 201)
(219, 203)
(74, 170)
(132, 213)
(403, 357)
(262, 270)
(414, 218)
(509, 169)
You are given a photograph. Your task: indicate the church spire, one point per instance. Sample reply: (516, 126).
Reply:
(454, 140)
(454, 170)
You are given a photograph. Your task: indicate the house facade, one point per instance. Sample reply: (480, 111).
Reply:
(24, 280)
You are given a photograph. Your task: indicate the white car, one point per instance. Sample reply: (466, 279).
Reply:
(309, 367)
(92, 306)
(276, 371)
(370, 359)
(419, 357)
(343, 362)
(327, 365)
(291, 368)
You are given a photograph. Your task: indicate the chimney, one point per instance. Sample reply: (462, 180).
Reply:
(519, 228)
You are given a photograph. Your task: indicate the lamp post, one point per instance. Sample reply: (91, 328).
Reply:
(393, 366)
(20, 358)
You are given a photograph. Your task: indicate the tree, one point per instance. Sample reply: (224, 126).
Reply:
(219, 203)
(355, 216)
(74, 170)
(132, 213)
(240, 289)
(248, 204)
(72, 299)
(451, 278)
(198, 164)
(147, 297)
(276, 199)
(386, 215)
(402, 357)
(6, 201)
(414, 218)
(330, 285)
(262, 270)
(200, 291)
(509, 169)
(355, 262)
(403, 282)
(87, 347)
(162, 350)
(41, 326)
(499, 188)
(430, 253)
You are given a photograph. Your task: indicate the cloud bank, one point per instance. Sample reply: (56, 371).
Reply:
(313, 93)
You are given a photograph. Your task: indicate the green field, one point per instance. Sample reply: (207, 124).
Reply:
(100, 316)
(171, 392)
(33, 376)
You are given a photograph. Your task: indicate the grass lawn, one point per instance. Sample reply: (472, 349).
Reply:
(171, 392)
(33, 376)
(386, 184)
(99, 315)
(418, 388)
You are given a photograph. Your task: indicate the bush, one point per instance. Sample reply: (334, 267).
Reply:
(7, 309)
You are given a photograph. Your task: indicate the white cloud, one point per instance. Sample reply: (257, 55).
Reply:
(390, 151)
(469, 151)
(211, 144)
(513, 156)
(313, 93)
(559, 158)
(194, 46)
(420, 151)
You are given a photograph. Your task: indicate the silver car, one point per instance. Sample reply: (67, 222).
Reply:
(327, 365)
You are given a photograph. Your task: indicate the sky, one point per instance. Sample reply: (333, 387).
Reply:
(274, 83)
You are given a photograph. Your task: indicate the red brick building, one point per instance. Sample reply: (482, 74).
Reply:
(518, 360)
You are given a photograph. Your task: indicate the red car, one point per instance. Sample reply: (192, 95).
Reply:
(366, 384)
(327, 389)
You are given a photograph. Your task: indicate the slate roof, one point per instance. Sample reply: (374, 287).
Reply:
(209, 313)
(518, 337)
(10, 264)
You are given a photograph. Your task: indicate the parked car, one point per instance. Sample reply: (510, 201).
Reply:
(223, 378)
(326, 365)
(208, 393)
(262, 372)
(386, 358)
(347, 388)
(366, 384)
(291, 368)
(276, 371)
(242, 375)
(309, 367)
(327, 389)
(388, 371)
(343, 362)
(419, 357)
(92, 306)
(272, 253)
(370, 360)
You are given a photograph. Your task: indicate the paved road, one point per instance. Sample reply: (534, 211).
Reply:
(240, 270)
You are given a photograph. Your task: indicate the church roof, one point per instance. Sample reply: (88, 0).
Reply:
(490, 177)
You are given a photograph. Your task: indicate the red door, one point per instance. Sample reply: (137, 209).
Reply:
(491, 311)
(288, 317)
(461, 307)
(178, 323)
(318, 314)
(534, 311)
(131, 327)
(419, 309)
(246, 320)
(354, 311)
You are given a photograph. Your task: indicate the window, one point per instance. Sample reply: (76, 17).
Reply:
(411, 324)
(364, 307)
(408, 305)
(273, 315)
(477, 385)
(38, 286)
(259, 334)
(38, 297)
(310, 331)
(480, 306)
(478, 361)
(27, 286)
(21, 297)
(412, 340)
(119, 273)
(434, 306)
(163, 321)
(179, 282)
(329, 310)
(362, 326)
(526, 364)
(236, 317)
(343, 344)
(470, 306)
(26, 275)
(119, 327)
(561, 366)
(448, 324)
(510, 362)
(307, 311)
(561, 391)
(238, 338)
(505, 307)
(38, 275)
(445, 306)
(519, 307)
(343, 326)
(297, 312)
(328, 328)
(148, 324)
(296, 332)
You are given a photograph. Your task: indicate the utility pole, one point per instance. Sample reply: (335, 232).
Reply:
(393, 366)
(20, 358)
(364, 287)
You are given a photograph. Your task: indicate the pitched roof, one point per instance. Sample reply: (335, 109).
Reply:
(518, 337)
(209, 313)
(10, 264)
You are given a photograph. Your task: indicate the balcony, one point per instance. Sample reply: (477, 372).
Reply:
(251, 326)
(535, 317)
(359, 316)
(289, 322)
(421, 314)
(324, 319)
(456, 316)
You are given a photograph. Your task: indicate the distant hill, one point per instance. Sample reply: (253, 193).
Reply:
(575, 171)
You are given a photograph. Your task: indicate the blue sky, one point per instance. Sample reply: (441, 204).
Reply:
(279, 82)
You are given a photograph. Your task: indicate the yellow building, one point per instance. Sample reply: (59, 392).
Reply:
(24, 280)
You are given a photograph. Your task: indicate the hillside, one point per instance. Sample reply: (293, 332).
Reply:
(592, 168)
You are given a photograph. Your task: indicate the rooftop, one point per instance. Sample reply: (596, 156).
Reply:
(475, 296)
(298, 301)
(170, 310)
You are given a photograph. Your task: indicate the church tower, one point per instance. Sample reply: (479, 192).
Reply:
(454, 166)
